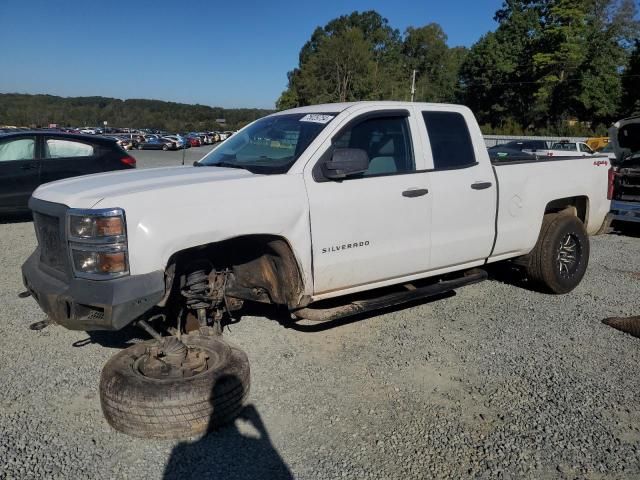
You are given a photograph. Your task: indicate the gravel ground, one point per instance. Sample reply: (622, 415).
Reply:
(493, 382)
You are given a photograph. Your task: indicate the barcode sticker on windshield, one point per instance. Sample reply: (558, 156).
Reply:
(316, 118)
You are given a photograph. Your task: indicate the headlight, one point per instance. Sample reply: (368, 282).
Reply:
(110, 262)
(98, 243)
(109, 223)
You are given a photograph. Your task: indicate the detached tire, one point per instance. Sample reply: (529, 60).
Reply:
(559, 260)
(174, 408)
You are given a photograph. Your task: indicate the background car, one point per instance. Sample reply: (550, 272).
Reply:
(155, 143)
(524, 145)
(502, 153)
(178, 140)
(29, 159)
(127, 142)
(91, 130)
(193, 140)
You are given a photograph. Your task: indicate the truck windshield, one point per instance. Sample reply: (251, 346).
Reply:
(270, 145)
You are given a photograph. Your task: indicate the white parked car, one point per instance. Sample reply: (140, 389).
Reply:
(322, 202)
(179, 141)
(91, 130)
(568, 149)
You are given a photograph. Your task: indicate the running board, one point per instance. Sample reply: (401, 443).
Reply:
(388, 300)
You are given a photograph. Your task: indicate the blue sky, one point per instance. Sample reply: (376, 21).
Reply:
(229, 54)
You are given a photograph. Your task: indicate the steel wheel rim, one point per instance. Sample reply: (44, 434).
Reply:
(568, 256)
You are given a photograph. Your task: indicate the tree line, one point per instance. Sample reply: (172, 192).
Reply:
(550, 67)
(42, 110)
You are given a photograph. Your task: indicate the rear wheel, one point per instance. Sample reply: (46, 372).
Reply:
(164, 390)
(165, 147)
(561, 255)
(140, 147)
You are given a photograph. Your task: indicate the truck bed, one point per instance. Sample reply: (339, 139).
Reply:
(525, 184)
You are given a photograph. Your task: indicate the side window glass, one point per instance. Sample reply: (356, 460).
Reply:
(451, 145)
(20, 149)
(60, 148)
(387, 141)
(585, 148)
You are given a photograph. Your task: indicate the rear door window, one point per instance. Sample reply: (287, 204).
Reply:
(65, 148)
(450, 140)
(19, 149)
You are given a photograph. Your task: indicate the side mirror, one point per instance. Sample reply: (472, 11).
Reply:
(346, 162)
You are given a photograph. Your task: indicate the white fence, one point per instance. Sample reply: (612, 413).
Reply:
(492, 140)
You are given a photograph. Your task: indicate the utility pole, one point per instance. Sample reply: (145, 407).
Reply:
(413, 85)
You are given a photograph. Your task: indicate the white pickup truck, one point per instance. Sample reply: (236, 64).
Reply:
(315, 209)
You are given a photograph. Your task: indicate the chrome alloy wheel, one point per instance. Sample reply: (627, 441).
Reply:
(568, 255)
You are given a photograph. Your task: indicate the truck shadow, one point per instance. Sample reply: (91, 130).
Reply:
(229, 453)
(120, 339)
(627, 229)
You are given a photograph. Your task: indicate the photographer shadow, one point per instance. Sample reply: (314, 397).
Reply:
(240, 451)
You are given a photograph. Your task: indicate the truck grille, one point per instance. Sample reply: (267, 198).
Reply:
(52, 251)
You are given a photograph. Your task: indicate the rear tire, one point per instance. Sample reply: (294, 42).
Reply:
(165, 148)
(559, 260)
(174, 408)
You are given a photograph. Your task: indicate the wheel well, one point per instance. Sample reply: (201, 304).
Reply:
(577, 206)
(264, 262)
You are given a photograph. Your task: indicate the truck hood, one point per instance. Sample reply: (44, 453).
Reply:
(625, 138)
(88, 190)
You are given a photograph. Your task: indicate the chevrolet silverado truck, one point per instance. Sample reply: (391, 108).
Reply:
(325, 211)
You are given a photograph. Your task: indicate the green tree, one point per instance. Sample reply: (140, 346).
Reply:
(496, 75)
(339, 71)
(41, 110)
(361, 57)
(425, 50)
(551, 60)
(631, 84)
(353, 57)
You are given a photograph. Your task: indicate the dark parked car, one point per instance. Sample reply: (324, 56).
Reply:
(500, 153)
(526, 145)
(154, 143)
(29, 159)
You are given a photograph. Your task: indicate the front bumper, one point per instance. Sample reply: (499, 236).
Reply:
(80, 304)
(625, 211)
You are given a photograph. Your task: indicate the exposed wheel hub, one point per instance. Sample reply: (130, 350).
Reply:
(170, 358)
(568, 255)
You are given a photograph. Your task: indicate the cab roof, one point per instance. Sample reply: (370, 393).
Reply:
(340, 107)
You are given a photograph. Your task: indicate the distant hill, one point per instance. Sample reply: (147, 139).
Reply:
(41, 110)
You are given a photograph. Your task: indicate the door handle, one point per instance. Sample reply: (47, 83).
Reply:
(29, 167)
(415, 192)
(481, 185)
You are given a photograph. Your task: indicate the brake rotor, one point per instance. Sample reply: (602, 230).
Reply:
(170, 358)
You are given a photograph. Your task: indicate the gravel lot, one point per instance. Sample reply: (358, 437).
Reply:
(493, 382)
